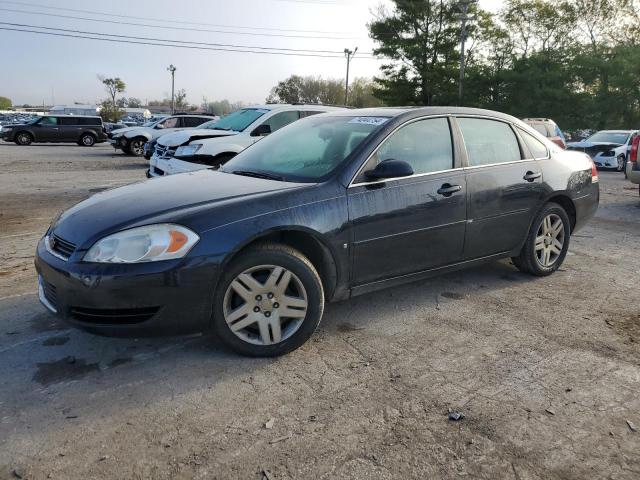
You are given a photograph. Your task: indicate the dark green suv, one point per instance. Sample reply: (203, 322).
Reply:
(83, 130)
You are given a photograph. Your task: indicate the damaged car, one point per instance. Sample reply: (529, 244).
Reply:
(131, 140)
(607, 148)
(198, 149)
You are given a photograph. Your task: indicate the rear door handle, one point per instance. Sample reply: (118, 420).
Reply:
(531, 176)
(447, 189)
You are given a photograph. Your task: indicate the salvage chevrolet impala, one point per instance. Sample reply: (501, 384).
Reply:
(332, 206)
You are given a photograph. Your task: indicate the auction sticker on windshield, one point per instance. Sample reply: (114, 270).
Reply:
(370, 120)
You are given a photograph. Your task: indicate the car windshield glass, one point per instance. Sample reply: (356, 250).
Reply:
(238, 121)
(152, 122)
(33, 120)
(609, 137)
(305, 151)
(208, 124)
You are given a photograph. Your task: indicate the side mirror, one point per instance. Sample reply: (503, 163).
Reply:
(261, 130)
(389, 169)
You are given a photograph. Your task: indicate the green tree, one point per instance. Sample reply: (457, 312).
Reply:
(313, 90)
(110, 112)
(113, 86)
(420, 38)
(361, 94)
(5, 103)
(220, 107)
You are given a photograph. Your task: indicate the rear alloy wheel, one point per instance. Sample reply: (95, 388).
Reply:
(24, 138)
(136, 147)
(269, 302)
(87, 140)
(547, 243)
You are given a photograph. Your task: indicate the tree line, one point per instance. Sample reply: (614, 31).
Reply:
(576, 61)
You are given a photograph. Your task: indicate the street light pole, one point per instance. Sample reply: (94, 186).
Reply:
(349, 54)
(464, 10)
(173, 69)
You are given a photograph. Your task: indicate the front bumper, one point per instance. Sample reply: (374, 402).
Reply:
(147, 299)
(606, 162)
(118, 143)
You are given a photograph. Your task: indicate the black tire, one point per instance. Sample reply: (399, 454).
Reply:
(126, 150)
(24, 138)
(135, 147)
(87, 140)
(280, 256)
(621, 163)
(527, 261)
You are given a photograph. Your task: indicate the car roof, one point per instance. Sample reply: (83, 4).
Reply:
(296, 106)
(616, 131)
(393, 112)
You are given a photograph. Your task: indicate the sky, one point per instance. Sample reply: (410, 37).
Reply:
(39, 69)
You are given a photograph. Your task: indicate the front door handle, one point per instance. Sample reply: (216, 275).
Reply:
(531, 176)
(447, 189)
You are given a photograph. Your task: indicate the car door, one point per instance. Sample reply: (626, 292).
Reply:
(406, 225)
(68, 129)
(47, 130)
(504, 187)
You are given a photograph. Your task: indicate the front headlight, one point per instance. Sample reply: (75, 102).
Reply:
(188, 150)
(150, 243)
(610, 153)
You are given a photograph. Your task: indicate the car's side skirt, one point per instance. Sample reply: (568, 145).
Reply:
(413, 277)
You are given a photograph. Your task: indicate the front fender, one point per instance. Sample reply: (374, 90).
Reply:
(136, 134)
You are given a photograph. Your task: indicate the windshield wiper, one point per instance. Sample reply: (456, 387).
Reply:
(221, 128)
(268, 176)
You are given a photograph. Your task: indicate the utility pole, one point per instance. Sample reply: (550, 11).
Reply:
(173, 69)
(464, 6)
(349, 54)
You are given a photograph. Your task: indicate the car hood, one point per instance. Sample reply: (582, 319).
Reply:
(167, 199)
(122, 131)
(183, 137)
(585, 144)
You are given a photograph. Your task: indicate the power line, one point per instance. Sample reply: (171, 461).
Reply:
(130, 37)
(151, 19)
(119, 22)
(173, 21)
(192, 47)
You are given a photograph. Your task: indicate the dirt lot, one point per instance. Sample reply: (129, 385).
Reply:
(546, 371)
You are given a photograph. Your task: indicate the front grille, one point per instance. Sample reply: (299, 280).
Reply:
(119, 316)
(50, 294)
(61, 247)
(165, 152)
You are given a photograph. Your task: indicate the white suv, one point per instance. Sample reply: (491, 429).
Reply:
(131, 140)
(215, 144)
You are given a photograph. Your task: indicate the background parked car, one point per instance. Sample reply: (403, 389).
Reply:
(549, 129)
(131, 140)
(198, 149)
(83, 130)
(607, 148)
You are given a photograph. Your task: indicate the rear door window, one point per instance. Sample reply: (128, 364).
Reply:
(193, 121)
(67, 121)
(540, 128)
(489, 141)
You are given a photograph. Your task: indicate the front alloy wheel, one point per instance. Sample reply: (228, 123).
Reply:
(620, 163)
(265, 305)
(268, 302)
(136, 147)
(24, 139)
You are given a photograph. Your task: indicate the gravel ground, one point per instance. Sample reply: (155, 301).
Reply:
(545, 371)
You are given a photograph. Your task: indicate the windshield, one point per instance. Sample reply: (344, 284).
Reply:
(609, 137)
(307, 150)
(208, 124)
(151, 123)
(238, 121)
(33, 120)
